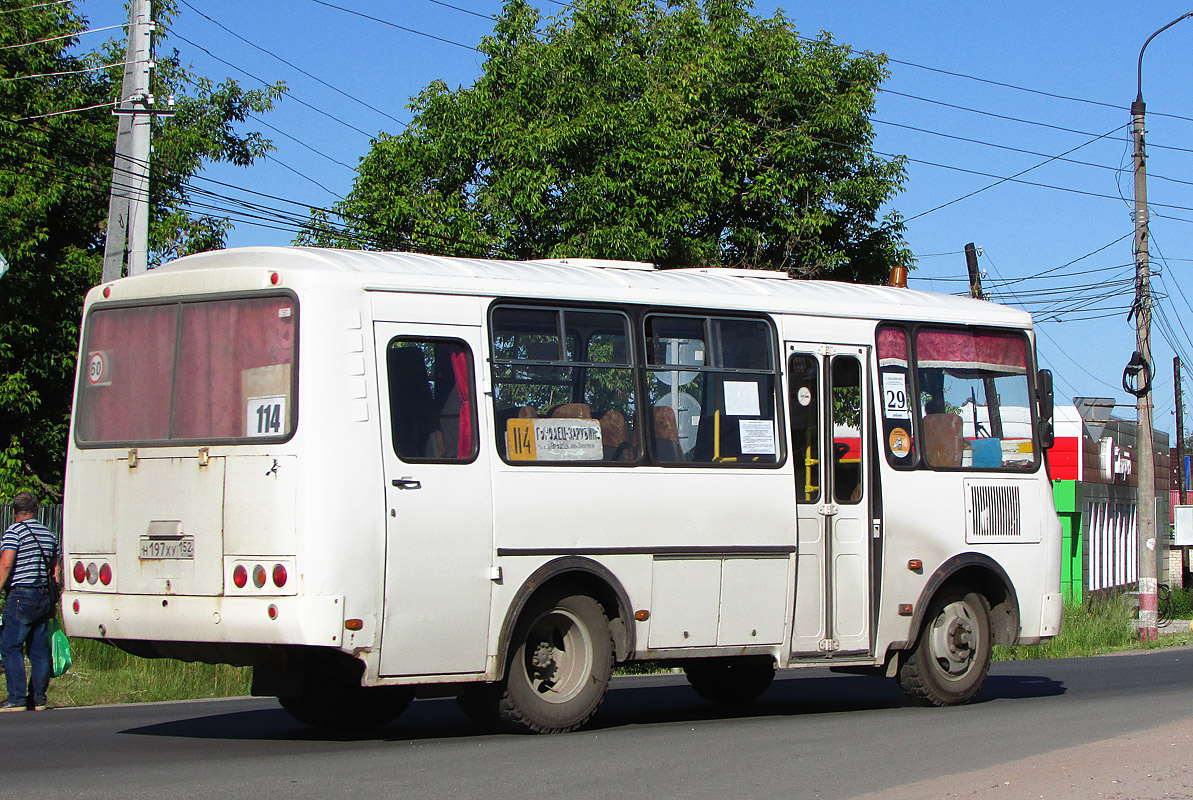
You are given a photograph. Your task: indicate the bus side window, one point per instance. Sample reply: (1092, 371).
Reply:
(432, 411)
(805, 426)
(712, 390)
(564, 388)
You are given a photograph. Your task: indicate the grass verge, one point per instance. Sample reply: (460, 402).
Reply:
(100, 673)
(1100, 625)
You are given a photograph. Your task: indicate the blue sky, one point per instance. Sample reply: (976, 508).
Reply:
(1012, 65)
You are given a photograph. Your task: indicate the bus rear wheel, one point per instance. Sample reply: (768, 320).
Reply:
(949, 663)
(347, 708)
(560, 666)
(731, 681)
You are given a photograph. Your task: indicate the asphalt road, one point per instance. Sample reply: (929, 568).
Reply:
(812, 735)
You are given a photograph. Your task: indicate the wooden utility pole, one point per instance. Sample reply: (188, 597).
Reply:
(975, 275)
(975, 290)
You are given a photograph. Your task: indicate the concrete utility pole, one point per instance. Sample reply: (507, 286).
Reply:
(128, 208)
(1146, 519)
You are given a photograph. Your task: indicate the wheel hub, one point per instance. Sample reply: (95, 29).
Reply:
(953, 640)
(543, 661)
(558, 656)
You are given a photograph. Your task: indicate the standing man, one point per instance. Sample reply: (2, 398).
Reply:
(29, 555)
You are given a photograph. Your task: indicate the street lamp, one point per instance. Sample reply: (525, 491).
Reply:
(1146, 515)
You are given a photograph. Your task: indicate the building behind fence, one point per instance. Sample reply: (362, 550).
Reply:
(1095, 482)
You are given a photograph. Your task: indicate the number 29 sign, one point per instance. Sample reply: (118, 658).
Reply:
(265, 416)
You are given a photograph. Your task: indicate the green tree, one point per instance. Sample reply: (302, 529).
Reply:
(687, 134)
(55, 175)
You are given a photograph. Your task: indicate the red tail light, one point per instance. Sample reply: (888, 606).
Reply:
(240, 576)
(79, 572)
(105, 574)
(279, 575)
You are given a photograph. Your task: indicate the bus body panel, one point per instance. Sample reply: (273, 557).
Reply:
(420, 583)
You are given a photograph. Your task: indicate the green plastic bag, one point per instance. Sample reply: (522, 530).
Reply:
(59, 647)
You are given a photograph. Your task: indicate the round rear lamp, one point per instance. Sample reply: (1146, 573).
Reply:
(107, 291)
(240, 576)
(272, 611)
(105, 574)
(75, 606)
(79, 572)
(92, 573)
(275, 278)
(258, 576)
(279, 575)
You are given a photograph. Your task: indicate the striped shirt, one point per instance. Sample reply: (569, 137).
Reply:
(30, 567)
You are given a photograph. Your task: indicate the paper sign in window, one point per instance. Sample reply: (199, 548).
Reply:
(265, 394)
(553, 440)
(894, 396)
(265, 416)
(757, 437)
(741, 399)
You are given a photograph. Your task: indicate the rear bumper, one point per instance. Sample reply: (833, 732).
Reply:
(297, 620)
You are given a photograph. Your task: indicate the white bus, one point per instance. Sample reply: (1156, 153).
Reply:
(379, 476)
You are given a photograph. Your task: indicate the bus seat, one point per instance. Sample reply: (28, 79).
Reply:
(666, 435)
(943, 440)
(571, 411)
(615, 437)
(527, 412)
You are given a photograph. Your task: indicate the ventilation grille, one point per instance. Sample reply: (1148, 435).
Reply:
(994, 513)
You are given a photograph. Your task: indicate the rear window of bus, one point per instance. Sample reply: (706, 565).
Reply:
(188, 371)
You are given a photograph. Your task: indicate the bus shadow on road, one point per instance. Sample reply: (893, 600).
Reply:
(637, 702)
(794, 697)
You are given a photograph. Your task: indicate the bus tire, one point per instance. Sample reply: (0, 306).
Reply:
(730, 681)
(347, 708)
(559, 667)
(949, 662)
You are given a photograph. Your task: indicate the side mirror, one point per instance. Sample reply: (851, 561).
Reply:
(1044, 405)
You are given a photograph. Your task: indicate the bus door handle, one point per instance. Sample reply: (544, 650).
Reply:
(407, 483)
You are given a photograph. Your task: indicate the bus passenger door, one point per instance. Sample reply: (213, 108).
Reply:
(439, 540)
(830, 426)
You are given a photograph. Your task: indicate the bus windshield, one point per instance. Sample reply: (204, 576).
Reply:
(194, 371)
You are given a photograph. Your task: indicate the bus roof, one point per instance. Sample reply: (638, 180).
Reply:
(562, 279)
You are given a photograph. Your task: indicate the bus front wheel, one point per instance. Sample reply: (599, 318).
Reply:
(949, 663)
(731, 681)
(560, 666)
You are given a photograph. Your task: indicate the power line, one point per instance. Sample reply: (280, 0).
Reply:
(64, 72)
(1009, 118)
(267, 84)
(1001, 181)
(354, 98)
(67, 111)
(395, 25)
(39, 5)
(59, 38)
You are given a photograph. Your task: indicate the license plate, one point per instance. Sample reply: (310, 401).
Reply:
(154, 549)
